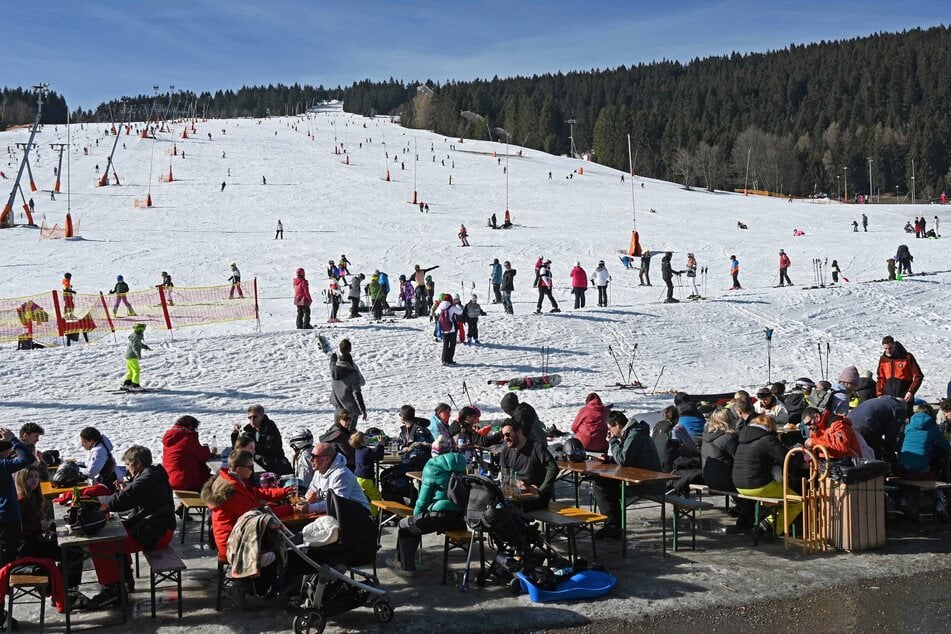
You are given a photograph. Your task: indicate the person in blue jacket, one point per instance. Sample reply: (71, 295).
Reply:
(384, 282)
(922, 446)
(14, 456)
(496, 278)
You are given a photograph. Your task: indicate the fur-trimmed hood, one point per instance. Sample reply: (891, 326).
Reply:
(218, 489)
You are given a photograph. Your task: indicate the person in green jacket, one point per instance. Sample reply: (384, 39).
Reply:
(133, 353)
(434, 510)
(375, 291)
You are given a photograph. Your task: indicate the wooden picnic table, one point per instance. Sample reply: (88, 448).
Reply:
(519, 498)
(50, 490)
(299, 520)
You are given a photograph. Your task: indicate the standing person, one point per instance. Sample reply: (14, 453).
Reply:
(384, 290)
(579, 284)
(600, 279)
(904, 259)
(354, 295)
(864, 223)
(419, 280)
(507, 286)
(69, 305)
(692, 276)
(645, 274)
(784, 263)
(464, 235)
(333, 296)
(280, 230)
(374, 292)
(13, 457)
(332, 270)
(495, 278)
(347, 383)
(835, 271)
(167, 287)
(268, 445)
(133, 353)
(302, 300)
(545, 285)
(899, 374)
(120, 290)
(667, 273)
(538, 265)
(447, 313)
(407, 297)
(472, 313)
(936, 227)
(343, 268)
(430, 291)
(184, 457)
(735, 272)
(235, 280)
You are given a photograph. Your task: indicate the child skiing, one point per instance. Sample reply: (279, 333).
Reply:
(235, 280)
(120, 290)
(472, 313)
(69, 306)
(692, 276)
(167, 287)
(464, 235)
(133, 353)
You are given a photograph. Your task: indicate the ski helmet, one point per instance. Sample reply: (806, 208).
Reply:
(139, 328)
(118, 278)
(402, 278)
(300, 272)
(805, 383)
(574, 451)
(301, 439)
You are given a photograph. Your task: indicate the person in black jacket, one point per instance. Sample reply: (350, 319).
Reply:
(526, 417)
(645, 274)
(667, 273)
(268, 446)
(339, 436)
(880, 421)
(150, 526)
(757, 467)
(464, 428)
(508, 285)
(719, 445)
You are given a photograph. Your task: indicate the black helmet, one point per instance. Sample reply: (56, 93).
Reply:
(87, 518)
(574, 451)
(67, 475)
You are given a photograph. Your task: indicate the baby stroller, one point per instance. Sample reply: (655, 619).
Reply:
(518, 543)
(322, 581)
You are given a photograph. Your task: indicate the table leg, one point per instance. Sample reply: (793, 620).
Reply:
(64, 554)
(623, 519)
(120, 559)
(577, 477)
(663, 521)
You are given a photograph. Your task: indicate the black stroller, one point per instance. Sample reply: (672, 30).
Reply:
(322, 582)
(518, 543)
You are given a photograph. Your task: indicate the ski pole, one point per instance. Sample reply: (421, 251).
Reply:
(453, 401)
(662, 368)
(821, 372)
(613, 356)
(828, 347)
(465, 390)
(769, 359)
(630, 368)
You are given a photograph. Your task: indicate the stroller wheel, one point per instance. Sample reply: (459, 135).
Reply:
(309, 623)
(515, 586)
(293, 597)
(383, 611)
(480, 580)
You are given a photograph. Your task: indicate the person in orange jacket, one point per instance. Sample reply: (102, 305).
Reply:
(898, 372)
(69, 305)
(832, 431)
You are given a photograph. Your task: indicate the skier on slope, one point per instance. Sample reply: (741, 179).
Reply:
(464, 235)
(235, 280)
(735, 273)
(375, 294)
(167, 288)
(354, 295)
(645, 277)
(692, 276)
(407, 297)
(333, 293)
(495, 278)
(667, 273)
(545, 284)
(600, 278)
(69, 305)
(579, 284)
(472, 313)
(133, 353)
(120, 290)
(784, 264)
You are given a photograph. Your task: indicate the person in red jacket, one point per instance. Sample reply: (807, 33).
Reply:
(898, 372)
(579, 284)
(784, 263)
(184, 458)
(591, 424)
(302, 300)
(832, 431)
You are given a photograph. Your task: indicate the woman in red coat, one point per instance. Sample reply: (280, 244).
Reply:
(183, 457)
(591, 426)
(302, 300)
(231, 494)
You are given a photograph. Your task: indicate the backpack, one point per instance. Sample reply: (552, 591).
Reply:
(445, 323)
(458, 490)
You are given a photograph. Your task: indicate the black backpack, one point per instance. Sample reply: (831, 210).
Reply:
(458, 490)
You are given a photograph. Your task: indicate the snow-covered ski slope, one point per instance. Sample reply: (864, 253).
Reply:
(328, 208)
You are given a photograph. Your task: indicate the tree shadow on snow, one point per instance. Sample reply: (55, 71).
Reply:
(738, 301)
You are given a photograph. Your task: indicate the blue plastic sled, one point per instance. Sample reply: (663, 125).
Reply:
(587, 584)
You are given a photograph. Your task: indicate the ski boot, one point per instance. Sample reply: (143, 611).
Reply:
(555, 310)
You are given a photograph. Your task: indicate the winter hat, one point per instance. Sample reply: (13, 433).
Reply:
(118, 278)
(445, 297)
(67, 275)
(509, 402)
(865, 374)
(849, 375)
(233, 265)
(429, 279)
(475, 297)
(402, 278)
(300, 272)
(495, 261)
(805, 383)
(577, 263)
(456, 298)
(441, 445)
(781, 251)
(139, 328)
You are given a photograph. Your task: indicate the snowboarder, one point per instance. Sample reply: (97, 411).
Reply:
(333, 294)
(302, 300)
(545, 284)
(735, 272)
(167, 287)
(280, 230)
(600, 278)
(579, 284)
(120, 290)
(667, 274)
(864, 223)
(495, 279)
(692, 276)
(784, 264)
(508, 285)
(133, 353)
(235, 280)
(354, 295)
(69, 304)
(464, 235)
(472, 313)
(645, 274)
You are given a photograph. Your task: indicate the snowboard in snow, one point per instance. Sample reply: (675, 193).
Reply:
(530, 382)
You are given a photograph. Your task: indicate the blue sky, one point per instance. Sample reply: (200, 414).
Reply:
(90, 51)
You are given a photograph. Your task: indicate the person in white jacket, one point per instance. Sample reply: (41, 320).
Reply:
(600, 278)
(99, 465)
(331, 474)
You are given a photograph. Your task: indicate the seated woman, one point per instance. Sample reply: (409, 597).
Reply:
(365, 458)
(184, 458)
(717, 451)
(922, 447)
(241, 442)
(758, 454)
(434, 511)
(229, 495)
(466, 428)
(99, 465)
(590, 425)
(339, 436)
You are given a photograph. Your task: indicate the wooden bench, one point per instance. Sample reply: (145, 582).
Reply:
(27, 586)
(562, 519)
(387, 512)
(165, 565)
(685, 508)
(461, 540)
(703, 489)
(193, 505)
(915, 488)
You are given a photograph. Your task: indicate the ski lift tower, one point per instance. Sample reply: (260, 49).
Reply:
(6, 216)
(571, 137)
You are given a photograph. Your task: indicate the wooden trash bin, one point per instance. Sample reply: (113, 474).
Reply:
(858, 514)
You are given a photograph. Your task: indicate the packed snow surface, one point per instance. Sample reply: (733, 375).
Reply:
(330, 208)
